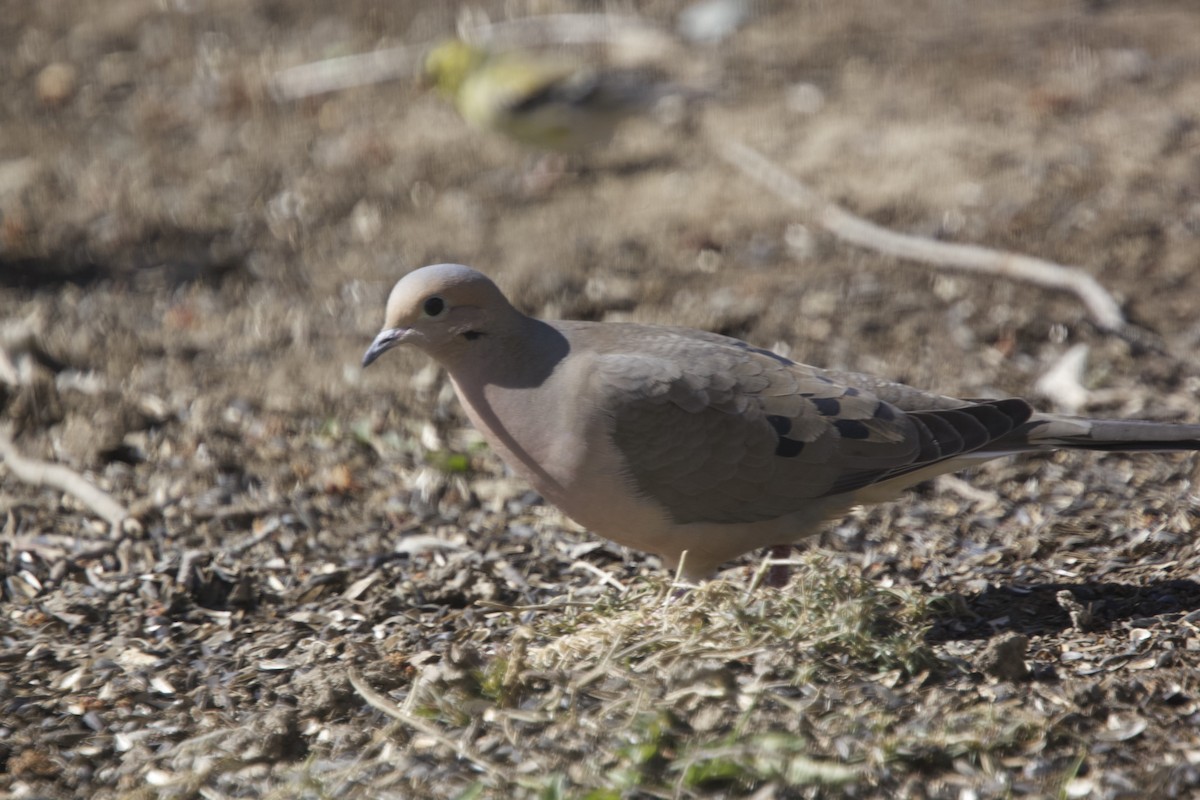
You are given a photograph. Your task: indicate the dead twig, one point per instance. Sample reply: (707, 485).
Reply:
(601, 574)
(382, 704)
(54, 547)
(246, 510)
(565, 29)
(266, 532)
(492, 605)
(56, 476)
(972, 494)
(18, 340)
(1101, 307)
(346, 72)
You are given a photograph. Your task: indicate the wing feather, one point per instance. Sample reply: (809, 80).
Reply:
(717, 431)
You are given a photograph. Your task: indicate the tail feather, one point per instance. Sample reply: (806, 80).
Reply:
(1049, 431)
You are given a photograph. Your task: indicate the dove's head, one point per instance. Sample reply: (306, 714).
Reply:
(449, 63)
(441, 310)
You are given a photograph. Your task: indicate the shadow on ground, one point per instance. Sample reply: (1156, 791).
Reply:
(1037, 610)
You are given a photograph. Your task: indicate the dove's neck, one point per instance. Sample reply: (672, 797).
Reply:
(518, 352)
(506, 384)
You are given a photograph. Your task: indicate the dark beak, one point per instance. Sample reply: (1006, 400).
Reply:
(386, 340)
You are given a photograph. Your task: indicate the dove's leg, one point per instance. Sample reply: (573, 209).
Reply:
(778, 575)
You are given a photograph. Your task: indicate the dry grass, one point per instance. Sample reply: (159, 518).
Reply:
(714, 691)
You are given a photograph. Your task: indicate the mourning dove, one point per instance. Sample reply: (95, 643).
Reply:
(538, 100)
(670, 440)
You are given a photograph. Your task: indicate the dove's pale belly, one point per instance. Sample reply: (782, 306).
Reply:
(598, 494)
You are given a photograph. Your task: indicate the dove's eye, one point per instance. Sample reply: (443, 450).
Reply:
(434, 306)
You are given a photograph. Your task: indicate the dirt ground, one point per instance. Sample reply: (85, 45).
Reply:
(333, 590)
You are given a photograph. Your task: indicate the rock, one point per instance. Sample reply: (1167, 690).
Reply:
(1004, 657)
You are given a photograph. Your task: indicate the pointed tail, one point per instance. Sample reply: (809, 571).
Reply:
(1050, 431)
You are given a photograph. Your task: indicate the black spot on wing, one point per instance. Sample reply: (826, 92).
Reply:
(782, 425)
(784, 447)
(941, 434)
(827, 406)
(851, 392)
(788, 448)
(884, 412)
(852, 429)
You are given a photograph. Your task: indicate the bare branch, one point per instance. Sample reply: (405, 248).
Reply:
(1101, 307)
(56, 476)
(566, 29)
(384, 705)
(346, 72)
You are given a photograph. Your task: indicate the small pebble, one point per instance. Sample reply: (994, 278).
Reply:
(56, 84)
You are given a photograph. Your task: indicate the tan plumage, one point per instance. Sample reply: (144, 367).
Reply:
(670, 439)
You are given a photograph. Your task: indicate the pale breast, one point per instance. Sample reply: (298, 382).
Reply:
(563, 446)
